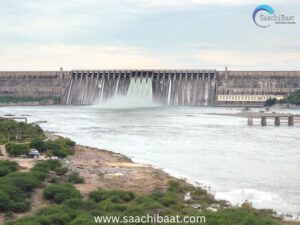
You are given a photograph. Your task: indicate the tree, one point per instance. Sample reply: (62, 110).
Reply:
(294, 98)
(38, 144)
(270, 102)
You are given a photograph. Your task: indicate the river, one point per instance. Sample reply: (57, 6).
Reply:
(260, 164)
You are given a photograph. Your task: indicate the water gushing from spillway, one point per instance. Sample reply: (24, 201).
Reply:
(139, 95)
(166, 90)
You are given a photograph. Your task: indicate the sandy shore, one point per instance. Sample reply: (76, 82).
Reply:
(105, 169)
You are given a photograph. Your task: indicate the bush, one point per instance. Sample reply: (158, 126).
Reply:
(61, 147)
(75, 178)
(61, 171)
(20, 206)
(16, 150)
(294, 98)
(42, 168)
(60, 192)
(38, 144)
(115, 196)
(166, 199)
(4, 201)
(174, 186)
(47, 165)
(76, 203)
(11, 130)
(54, 180)
(12, 198)
(24, 181)
(147, 203)
(7, 167)
(270, 102)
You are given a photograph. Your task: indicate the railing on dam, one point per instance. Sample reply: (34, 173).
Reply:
(111, 74)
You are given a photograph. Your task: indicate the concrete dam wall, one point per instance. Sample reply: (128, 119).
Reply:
(168, 87)
(33, 84)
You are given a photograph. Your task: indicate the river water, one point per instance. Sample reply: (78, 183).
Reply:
(260, 164)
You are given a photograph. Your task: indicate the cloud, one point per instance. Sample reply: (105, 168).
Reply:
(35, 34)
(251, 60)
(159, 3)
(77, 57)
(70, 57)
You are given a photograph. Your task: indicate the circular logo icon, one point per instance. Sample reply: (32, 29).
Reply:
(260, 8)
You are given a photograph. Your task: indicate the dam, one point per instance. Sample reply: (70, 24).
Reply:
(168, 87)
(203, 87)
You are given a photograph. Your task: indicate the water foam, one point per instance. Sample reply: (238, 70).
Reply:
(261, 200)
(139, 95)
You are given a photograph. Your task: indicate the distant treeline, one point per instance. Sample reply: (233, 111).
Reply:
(293, 98)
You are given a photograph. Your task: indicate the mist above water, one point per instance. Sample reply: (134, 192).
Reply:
(126, 102)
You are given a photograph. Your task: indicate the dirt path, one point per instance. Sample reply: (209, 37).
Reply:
(3, 151)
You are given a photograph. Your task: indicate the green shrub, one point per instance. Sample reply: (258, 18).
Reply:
(42, 168)
(83, 219)
(7, 167)
(11, 130)
(75, 178)
(294, 98)
(17, 149)
(61, 171)
(54, 180)
(111, 206)
(20, 206)
(148, 203)
(114, 196)
(4, 201)
(12, 198)
(76, 203)
(47, 165)
(175, 186)
(166, 199)
(22, 180)
(39, 144)
(270, 102)
(60, 192)
(69, 142)
(61, 147)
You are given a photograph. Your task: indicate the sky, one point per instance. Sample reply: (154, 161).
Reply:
(146, 34)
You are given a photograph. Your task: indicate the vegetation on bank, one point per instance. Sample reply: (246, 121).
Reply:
(19, 137)
(16, 187)
(10, 99)
(60, 147)
(13, 131)
(293, 98)
(68, 207)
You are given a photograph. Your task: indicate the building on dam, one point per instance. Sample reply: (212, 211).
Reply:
(168, 87)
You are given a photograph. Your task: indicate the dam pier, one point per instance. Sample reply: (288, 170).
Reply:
(278, 118)
(203, 87)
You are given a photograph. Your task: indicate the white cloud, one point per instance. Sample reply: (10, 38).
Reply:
(156, 3)
(239, 60)
(70, 57)
(77, 57)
